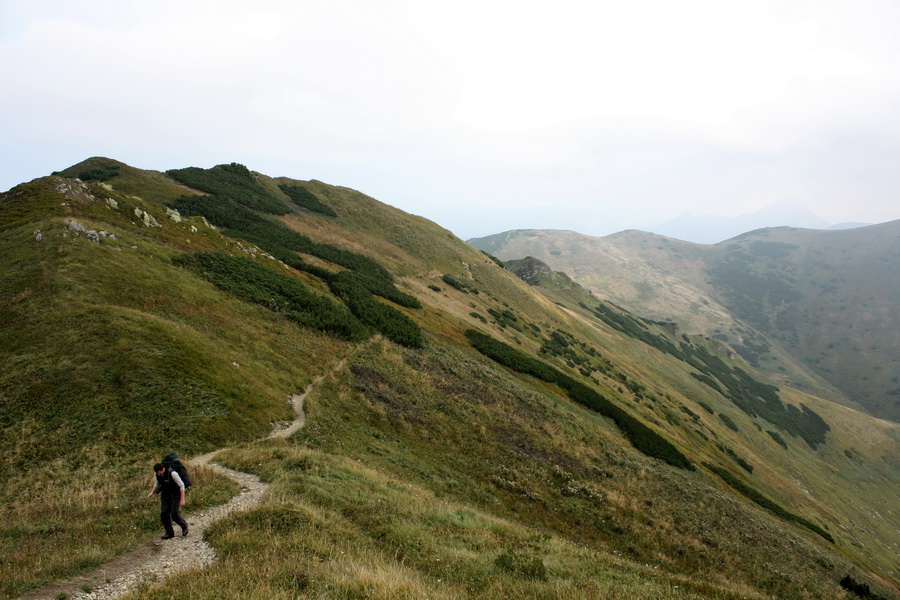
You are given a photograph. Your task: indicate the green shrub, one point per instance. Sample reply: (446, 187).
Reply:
(496, 260)
(346, 283)
(504, 318)
(729, 423)
(620, 320)
(392, 323)
(709, 381)
(258, 284)
(778, 439)
(99, 173)
(459, 285)
(235, 182)
(859, 589)
(362, 277)
(744, 464)
(641, 437)
(747, 393)
(765, 502)
(304, 198)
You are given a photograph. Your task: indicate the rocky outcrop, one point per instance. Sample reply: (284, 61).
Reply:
(535, 272)
(148, 219)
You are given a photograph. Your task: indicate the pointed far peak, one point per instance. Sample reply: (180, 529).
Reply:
(791, 213)
(714, 229)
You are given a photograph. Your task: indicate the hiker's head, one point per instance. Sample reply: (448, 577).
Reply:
(159, 468)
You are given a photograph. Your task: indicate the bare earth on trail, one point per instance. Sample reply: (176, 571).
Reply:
(157, 559)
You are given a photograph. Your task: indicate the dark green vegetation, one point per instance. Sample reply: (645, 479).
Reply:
(237, 203)
(101, 173)
(815, 309)
(459, 285)
(859, 589)
(306, 199)
(423, 470)
(232, 182)
(642, 437)
(256, 283)
(766, 503)
(748, 393)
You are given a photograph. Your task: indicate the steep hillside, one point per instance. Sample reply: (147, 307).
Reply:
(484, 437)
(812, 309)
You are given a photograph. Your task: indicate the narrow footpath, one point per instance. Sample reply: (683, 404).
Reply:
(154, 561)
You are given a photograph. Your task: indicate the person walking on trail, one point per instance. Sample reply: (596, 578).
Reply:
(170, 488)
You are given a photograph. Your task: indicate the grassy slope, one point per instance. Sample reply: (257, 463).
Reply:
(657, 277)
(832, 335)
(430, 472)
(859, 451)
(830, 299)
(111, 357)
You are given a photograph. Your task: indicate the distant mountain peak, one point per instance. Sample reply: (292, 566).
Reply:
(710, 229)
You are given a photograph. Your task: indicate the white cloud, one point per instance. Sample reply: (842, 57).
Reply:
(635, 112)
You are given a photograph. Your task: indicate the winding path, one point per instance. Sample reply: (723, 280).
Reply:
(156, 560)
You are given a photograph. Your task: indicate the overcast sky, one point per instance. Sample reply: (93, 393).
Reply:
(480, 115)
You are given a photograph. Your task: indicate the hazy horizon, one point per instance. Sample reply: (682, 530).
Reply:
(482, 117)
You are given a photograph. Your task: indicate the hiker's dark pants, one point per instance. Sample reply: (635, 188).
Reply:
(169, 511)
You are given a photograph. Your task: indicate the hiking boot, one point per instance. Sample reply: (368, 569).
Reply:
(168, 536)
(184, 531)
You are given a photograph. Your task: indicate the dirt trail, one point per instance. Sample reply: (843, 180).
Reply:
(156, 560)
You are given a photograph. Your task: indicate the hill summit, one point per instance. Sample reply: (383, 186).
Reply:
(473, 432)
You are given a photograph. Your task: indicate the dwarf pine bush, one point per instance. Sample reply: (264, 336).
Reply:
(641, 437)
(228, 207)
(749, 394)
(304, 198)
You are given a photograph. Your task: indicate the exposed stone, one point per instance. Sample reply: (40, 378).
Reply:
(148, 219)
(74, 226)
(37, 235)
(73, 189)
(112, 204)
(173, 214)
(93, 236)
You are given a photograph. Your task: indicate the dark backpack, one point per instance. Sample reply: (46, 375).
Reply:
(172, 463)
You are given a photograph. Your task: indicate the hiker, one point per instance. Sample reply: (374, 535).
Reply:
(170, 488)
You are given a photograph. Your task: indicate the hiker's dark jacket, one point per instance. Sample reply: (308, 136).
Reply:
(169, 483)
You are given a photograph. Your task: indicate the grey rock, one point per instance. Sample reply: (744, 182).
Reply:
(74, 226)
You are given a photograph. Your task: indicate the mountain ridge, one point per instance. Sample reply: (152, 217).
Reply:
(821, 277)
(431, 463)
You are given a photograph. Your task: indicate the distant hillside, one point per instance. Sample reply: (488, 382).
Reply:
(479, 430)
(814, 309)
